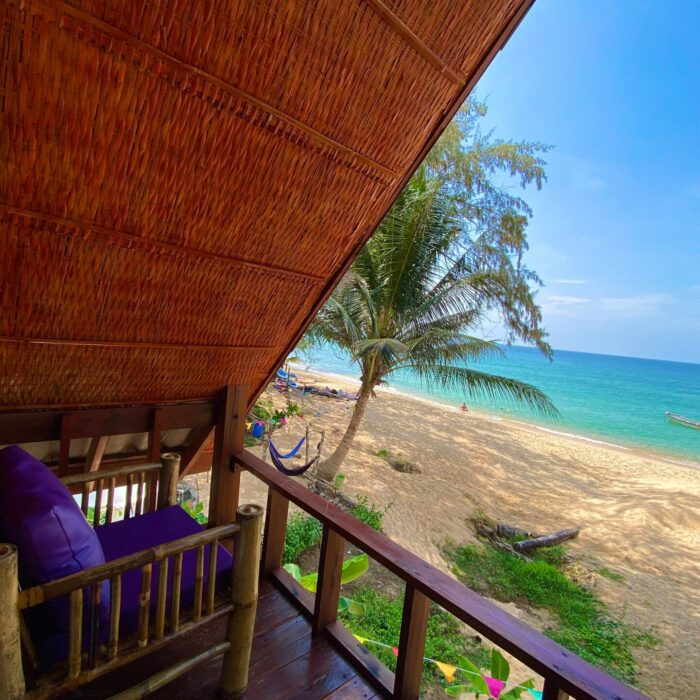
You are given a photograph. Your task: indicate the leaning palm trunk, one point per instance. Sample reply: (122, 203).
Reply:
(331, 466)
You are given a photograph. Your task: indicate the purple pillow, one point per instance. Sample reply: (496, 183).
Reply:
(39, 515)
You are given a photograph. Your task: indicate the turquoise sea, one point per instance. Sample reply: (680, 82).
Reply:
(619, 400)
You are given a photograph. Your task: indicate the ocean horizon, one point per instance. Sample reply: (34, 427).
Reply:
(613, 399)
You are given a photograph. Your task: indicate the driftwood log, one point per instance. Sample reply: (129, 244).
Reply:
(547, 540)
(492, 536)
(505, 530)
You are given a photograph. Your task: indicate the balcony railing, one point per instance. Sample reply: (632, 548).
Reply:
(565, 674)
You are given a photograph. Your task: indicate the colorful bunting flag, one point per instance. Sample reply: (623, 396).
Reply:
(361, 640)
(448, 670)
(396, 652)
(537, 694)
(495, 686)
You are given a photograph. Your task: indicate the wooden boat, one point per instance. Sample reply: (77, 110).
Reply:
(688, 422)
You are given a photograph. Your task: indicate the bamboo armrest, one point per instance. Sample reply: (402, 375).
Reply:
(63, 586)
(109, 473)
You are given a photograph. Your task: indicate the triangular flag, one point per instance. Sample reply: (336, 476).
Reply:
(537, 694)
(396, 652)
(448, 670)
(495, 686)
(361, 640)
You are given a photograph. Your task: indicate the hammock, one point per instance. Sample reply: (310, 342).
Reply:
(289, 454)
(277, 460)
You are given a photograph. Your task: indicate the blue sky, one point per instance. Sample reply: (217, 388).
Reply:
(614, 85)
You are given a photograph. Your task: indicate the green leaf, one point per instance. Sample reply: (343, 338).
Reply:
(499, 666)
(515, 693)
(310, 581)
(350, 606)
(354, 568)
(475, 675)
(454, 690)
(294, 570)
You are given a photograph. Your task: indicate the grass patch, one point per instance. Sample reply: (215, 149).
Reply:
(384, 454)
(608, 573)
(584, 623)
(303, 533)
(369, 513)
(381, 621)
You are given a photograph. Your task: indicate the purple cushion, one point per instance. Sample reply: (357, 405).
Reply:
(149, 530)
(39, 516)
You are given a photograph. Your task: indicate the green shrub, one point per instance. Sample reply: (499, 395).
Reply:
(369, 513)
(303, 533)
(584, 623)
(380, 620)
(384, 454)
(195, 511)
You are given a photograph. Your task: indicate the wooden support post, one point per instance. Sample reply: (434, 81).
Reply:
(275, 531)
(154, 441)
(169, 473)
(244, 595)
(228, 440)
(64, 444)
(409, 666)
(329, 572)
(195, 444)
(551, 690)
(11, 674)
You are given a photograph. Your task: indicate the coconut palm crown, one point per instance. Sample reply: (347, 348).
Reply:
(412, 297)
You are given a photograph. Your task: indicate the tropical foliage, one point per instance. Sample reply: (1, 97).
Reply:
(446, 258)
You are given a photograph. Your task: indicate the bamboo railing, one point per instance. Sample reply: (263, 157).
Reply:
(90, 658)
(565, 675)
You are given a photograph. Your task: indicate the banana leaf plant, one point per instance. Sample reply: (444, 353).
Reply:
(352, 569)
(491, 684)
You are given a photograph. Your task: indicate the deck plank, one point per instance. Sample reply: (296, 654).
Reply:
(287, 663)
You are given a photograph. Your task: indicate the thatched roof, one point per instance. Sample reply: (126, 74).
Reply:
(183, 183)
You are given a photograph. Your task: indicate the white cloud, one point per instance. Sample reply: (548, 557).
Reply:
(568, 281)
(639, 305)
(648, 305)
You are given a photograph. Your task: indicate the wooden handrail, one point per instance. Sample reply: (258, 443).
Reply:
(563, 671)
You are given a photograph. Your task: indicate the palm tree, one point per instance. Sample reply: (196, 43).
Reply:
(411, 298)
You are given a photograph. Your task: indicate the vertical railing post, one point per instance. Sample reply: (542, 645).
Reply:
(228, 440)
(328, 586)
(167, 483)
(244, 595)
(409, 666)
(275, 531)
(11, 674)
(551, 690)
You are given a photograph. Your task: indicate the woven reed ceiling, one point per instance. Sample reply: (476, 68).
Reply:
(182, 182)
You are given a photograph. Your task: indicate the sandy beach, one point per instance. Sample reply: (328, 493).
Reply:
(640, 514)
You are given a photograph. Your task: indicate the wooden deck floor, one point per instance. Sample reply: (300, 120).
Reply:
(286, 662)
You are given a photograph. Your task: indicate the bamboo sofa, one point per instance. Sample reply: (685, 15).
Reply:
(96, 596)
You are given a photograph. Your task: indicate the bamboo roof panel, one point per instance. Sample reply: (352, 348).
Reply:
(184, 182)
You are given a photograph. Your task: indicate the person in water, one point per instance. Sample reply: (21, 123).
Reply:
(464, 408)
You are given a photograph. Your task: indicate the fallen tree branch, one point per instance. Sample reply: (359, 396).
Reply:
(505, 530)
(490, 534)
(547, 540)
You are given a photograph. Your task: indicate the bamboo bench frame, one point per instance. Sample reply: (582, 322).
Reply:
(154, 486)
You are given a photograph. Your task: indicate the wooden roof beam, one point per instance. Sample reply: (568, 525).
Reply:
(415, 42)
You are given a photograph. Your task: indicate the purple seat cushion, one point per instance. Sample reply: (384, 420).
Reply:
(149, 530)
(39, 516)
